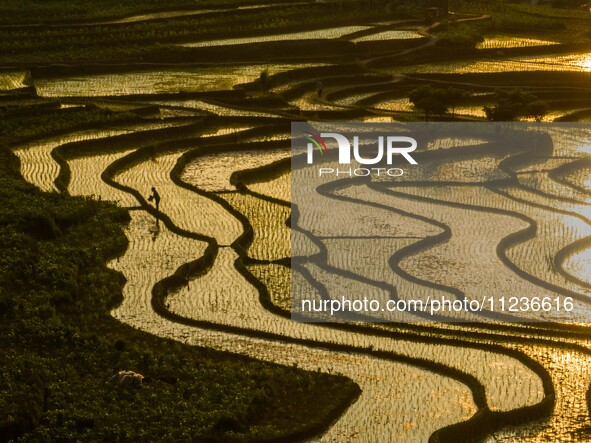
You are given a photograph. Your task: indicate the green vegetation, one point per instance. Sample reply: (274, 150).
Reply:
(41, 11)
(502, 104)
(59, 346)
(506, 14)
(156, 39)
(518, 21)
(537, 110)
(511, 104)
(523, 17)
(430, 100)
(462, 36)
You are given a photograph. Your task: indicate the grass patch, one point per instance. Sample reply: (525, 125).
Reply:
(516, 17)
(462, 35)
(42, 11)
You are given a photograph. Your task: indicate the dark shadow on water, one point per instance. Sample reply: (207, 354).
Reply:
(156, 230)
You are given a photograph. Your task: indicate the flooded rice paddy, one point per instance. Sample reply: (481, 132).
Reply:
(212, 172)
(509, 41)
(13, 80)
(305, 35)
(569, 62)
(477, 201)
(389, 35)
(155, 82)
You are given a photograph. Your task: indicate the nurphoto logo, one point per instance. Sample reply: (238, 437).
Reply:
(387, 148)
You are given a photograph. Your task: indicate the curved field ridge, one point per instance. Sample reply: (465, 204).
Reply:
(40, 168)
(573, 62)
(150, 258)
(504, 280)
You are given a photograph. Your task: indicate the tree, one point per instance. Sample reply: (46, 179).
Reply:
(502, 111)
(537, 110)
(429, 100)
(453, 97)
(510, 105)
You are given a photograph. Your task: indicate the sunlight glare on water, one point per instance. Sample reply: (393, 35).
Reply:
(586, 62)
(577, 62)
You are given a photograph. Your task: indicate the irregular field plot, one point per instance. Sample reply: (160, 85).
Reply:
(86, 179)
(397, 34)
(37, 165)
(212, 172)
(13, 80)
(508, 41)
(439, 401)
(533, 256)
(572, 62)
(164, 81)
(305, 35)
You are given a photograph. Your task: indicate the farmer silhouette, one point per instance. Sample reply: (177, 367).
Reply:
(156, 197)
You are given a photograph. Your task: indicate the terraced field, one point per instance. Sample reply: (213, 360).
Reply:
(212, 268)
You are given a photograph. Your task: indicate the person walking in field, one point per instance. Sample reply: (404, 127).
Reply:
(156, 197)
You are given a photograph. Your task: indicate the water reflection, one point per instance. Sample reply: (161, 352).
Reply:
(578, 62)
